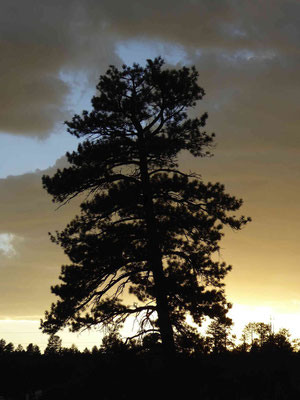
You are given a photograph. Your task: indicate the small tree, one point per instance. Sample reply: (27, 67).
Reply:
(249, 332)
(2, 345)
(256, 333)
(145, 225)
(192, 343)
(264, 331)
(112, 344)
(95, 350)
(9, 348)
(19, 349)
(33, 349)
(54, 345)
(70, 350)
(279, 341)
(86, 351)
(218, 335)
(243, 345)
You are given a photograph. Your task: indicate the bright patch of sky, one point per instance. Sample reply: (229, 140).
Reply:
(81, 91)
(6, 244)
(21, 154)
(139, 51)
(25, 331)
(249, 55)
(242, 314)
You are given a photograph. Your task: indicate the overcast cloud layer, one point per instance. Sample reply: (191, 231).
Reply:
(247, 55)
(244, 50)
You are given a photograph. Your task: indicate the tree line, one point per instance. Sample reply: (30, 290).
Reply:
(261, 364)
(218, 338)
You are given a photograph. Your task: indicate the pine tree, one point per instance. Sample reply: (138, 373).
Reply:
(53, 345)
(218, 335)
(19, 349)
(145, 225)
(33, 349)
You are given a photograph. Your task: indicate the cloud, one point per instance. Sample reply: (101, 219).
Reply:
(227, 24)
(251, 101)
(24, 206)
(27, 215)
(42, 43)
(7, 244)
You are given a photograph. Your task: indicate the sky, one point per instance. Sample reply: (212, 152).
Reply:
(247, 54)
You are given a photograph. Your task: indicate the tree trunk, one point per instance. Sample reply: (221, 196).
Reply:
(155, 261)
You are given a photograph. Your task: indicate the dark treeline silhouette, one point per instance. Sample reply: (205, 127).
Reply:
(260, 364)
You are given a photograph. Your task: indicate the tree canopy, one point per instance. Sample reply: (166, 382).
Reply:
(146, 227)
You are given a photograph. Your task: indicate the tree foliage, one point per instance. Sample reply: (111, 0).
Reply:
(33, 349)
(279, 341)
(257, 331)
(146, 227)
(218, 335)
(53, 345)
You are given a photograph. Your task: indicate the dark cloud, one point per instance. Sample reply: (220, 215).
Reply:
(43, 41)
(227, 24)
(251, 99)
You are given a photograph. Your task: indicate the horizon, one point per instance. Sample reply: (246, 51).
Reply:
(11, 330)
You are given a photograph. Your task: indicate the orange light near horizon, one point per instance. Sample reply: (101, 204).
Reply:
(27, 331)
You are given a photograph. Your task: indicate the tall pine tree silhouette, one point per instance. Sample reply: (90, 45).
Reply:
(146, 226)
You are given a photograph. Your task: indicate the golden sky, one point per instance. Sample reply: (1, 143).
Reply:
(247, 54)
